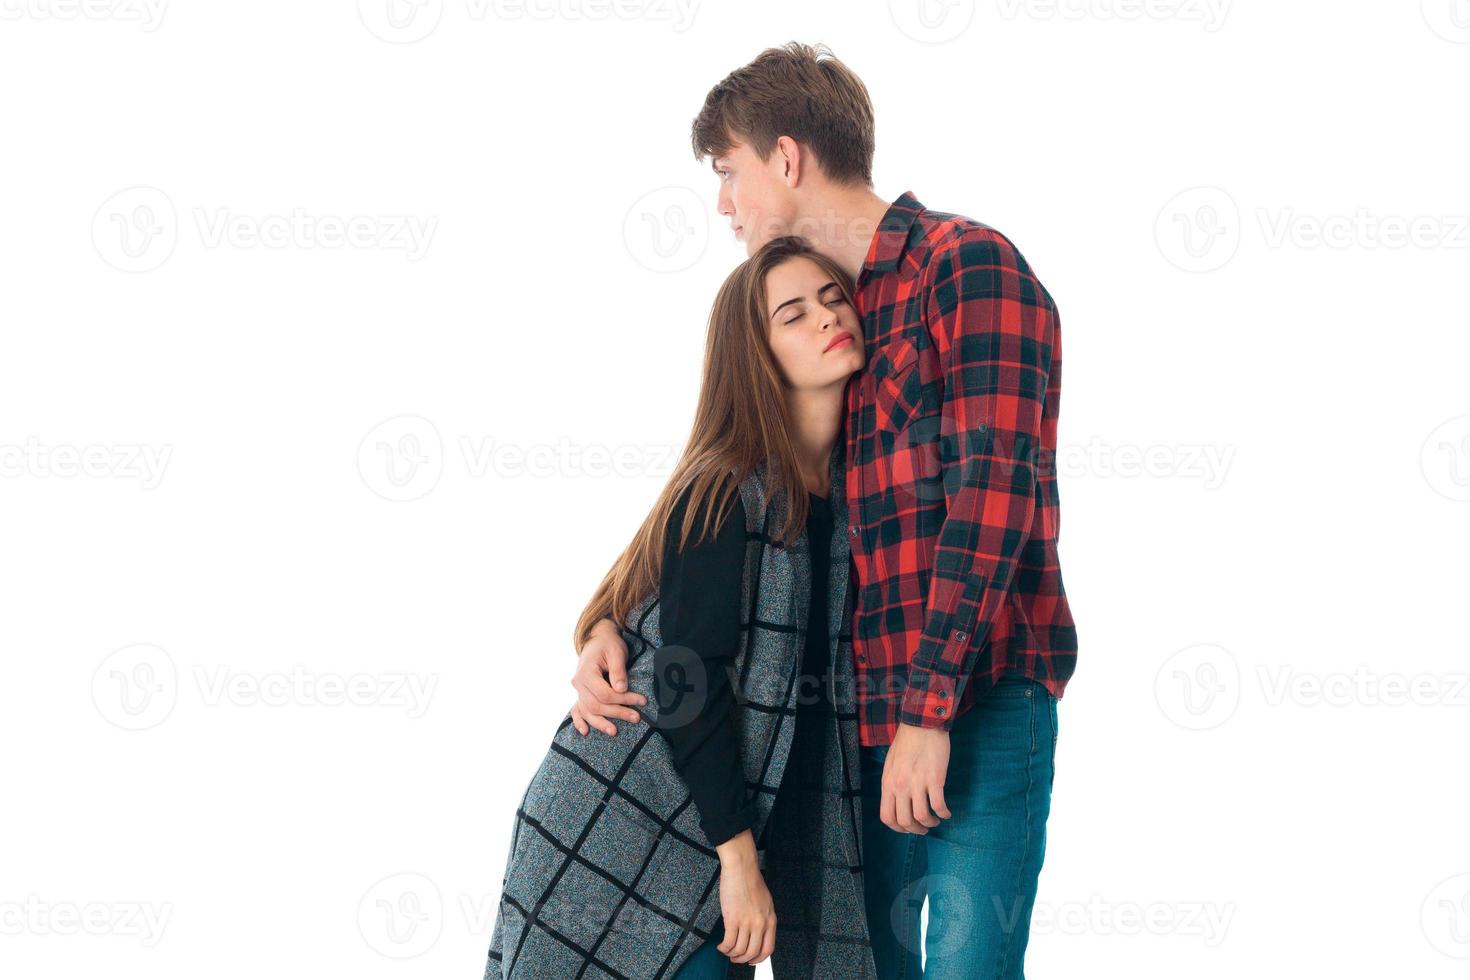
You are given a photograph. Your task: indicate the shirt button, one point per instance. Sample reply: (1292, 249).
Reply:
(939, 711)
(853, 530)
(944, 694)
(862, 659)
(960, 635)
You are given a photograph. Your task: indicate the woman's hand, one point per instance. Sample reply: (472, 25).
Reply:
(745, 902)
(600, 700)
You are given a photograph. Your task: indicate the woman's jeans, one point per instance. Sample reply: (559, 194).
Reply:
(979, 868)
(707, 963)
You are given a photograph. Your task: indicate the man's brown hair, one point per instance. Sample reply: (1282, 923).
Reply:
(797, 90)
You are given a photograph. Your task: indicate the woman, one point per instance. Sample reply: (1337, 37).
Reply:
(745, 777)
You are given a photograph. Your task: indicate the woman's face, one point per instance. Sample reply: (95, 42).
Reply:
(815, 333)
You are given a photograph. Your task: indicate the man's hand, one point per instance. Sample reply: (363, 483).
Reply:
(913, 779)
(599, 699)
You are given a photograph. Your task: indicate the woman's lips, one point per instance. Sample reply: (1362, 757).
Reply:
(842, 341)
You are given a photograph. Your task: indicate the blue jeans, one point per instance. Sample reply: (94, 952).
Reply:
(707, 963)
(979, 868)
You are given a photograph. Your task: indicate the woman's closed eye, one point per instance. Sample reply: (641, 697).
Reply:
(831, 302)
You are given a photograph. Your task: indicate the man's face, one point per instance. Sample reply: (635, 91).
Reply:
(754, 195)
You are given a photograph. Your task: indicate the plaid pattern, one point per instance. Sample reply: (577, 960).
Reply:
(609, 875)
(952, 435)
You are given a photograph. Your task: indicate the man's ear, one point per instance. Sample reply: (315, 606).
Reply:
(791, 159)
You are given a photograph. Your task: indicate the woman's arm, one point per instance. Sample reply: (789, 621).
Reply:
(699, 599)
(745, 902)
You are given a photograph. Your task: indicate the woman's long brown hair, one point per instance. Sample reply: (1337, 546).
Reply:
(741, 419)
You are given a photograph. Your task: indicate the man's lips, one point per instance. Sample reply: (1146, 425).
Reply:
(837, 342)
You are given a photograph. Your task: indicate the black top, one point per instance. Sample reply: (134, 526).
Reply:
(814, 666)
(699, 600)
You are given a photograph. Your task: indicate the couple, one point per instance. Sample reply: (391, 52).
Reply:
(803, 764)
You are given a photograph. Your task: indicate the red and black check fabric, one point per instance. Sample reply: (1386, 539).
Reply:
(951, 477)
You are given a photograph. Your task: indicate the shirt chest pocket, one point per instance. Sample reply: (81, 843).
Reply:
(906, 385)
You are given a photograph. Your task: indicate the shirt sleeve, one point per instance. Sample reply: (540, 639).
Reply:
(994, 326)
(699, 600)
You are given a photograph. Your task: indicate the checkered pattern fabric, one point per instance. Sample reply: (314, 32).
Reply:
(952, 483)
(609, 875)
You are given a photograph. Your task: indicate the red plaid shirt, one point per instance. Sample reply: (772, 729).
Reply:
(951, 482)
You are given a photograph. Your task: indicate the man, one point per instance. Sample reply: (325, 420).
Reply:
(962, 633)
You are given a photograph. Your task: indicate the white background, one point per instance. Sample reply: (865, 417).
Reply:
(400, 465)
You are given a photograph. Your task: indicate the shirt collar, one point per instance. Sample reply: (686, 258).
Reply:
(892, 235)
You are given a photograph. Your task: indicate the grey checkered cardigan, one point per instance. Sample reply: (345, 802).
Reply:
(609, 874)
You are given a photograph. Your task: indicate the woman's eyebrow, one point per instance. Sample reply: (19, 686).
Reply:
(797, 299)
(778, 309)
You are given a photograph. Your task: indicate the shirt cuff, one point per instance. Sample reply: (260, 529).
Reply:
(929, 699)
(721, 827)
